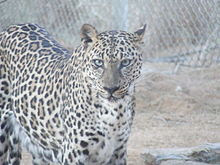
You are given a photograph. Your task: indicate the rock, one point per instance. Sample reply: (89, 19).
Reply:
(208, 154)
(182, 162)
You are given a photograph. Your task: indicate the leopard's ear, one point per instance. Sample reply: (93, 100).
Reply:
(88, 34)
(139, 34)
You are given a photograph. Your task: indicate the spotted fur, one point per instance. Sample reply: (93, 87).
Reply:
(67, 109)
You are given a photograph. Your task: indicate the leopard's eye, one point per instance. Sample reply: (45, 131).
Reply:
(98, 62)
(125, 62)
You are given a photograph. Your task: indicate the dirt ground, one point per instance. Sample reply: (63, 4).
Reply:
(173, 110)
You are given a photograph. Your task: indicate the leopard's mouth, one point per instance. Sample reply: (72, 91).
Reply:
(108, 97)
(111, 97)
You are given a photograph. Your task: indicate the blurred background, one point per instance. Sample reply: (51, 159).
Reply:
(186, 30)
(178, 96)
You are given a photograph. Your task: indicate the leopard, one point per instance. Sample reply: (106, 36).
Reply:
(67, 107)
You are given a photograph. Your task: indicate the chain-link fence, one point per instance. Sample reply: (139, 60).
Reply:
(185, 32)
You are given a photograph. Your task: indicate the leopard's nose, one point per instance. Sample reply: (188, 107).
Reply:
(111, 90)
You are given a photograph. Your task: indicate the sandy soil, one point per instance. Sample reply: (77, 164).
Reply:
(174, 110)
(181, 110)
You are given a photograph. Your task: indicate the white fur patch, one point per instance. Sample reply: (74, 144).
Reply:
(31, 146)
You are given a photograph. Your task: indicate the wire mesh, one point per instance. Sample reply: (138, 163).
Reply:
(185, 32)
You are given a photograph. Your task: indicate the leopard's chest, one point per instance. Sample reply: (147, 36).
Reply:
(112, 132)
(100, 131)
(103, 150)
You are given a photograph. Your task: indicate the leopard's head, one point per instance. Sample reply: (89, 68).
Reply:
(113, 61)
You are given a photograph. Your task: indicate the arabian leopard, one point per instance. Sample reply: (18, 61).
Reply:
(67, 108)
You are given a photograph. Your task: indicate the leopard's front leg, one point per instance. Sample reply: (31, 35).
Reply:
(119, 156)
